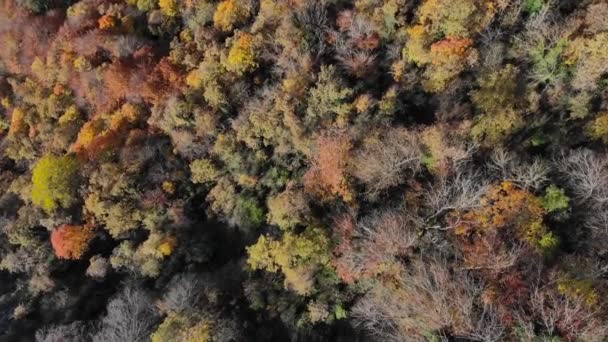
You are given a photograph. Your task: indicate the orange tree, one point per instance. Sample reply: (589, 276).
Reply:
(71, 242)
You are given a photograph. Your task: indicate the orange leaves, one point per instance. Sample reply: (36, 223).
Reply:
(507, 218)
(503, 205)
(101, 134)
(71, 242)
(327, 175)
(450, 47)
(107, 22)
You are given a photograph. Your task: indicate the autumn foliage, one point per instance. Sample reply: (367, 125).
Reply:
(327, 175)
(71, 242)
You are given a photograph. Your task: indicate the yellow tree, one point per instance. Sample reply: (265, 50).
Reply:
(297, 256)
(242, 55)
(54, 181)
(230, 13)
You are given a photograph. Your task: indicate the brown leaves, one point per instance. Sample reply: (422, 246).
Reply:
(327, 175)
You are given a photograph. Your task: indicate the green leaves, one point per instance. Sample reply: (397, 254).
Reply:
(555, 199)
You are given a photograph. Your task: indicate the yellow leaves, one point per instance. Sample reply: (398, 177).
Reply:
(296, 255)
(89, 131)
(101, 133)
(194, 79)
(167, 246)
(363, 103)
(168, 7)
(70, 115)
(168, 187)
(242, 55)
(53, 182)
(230, 13)
(494, 128)
(578, 288)
(598, 128)
(203, 171)
(181, 327)
(6, 102)
(415, 49)
(18, 124)
(81, 64)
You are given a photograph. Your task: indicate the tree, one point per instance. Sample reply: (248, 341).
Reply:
(459, 18)
(494, 129)
(329, 100)
(425, 299)
(384, 158)
(203, 171)
(497, 90)
(598, 128)
(70, 242)
(54, 182)
(72, 332)
(230, 13)
(504, 207)
(98, 267)
(327, 175)
(288, 209)
(373, 245)
(297, 256)
(168, 7)
(130, 316)
(242, 57)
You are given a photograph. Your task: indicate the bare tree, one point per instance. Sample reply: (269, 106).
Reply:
(379, 239)
(130, 317)
(74, 332)
(527, 175)
(429, 297)
(183, 293)
(382, 161)
(586, 174)
(571, 317)
(458, 192)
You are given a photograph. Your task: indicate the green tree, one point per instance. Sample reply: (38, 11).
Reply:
(295, 255)
(288, 209)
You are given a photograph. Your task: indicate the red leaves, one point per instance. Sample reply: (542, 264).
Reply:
(71, 242)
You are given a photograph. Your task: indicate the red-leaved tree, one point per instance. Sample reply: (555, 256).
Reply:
(70, 242)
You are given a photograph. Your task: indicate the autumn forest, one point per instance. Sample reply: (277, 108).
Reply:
(303, 170)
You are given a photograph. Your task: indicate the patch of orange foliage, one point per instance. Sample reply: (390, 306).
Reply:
(71, 242)
(327, 175)
(504, 205)
(99, 135)
(107, 22)
(450, 47)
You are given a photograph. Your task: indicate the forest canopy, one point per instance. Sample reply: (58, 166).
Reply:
(301, 170)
